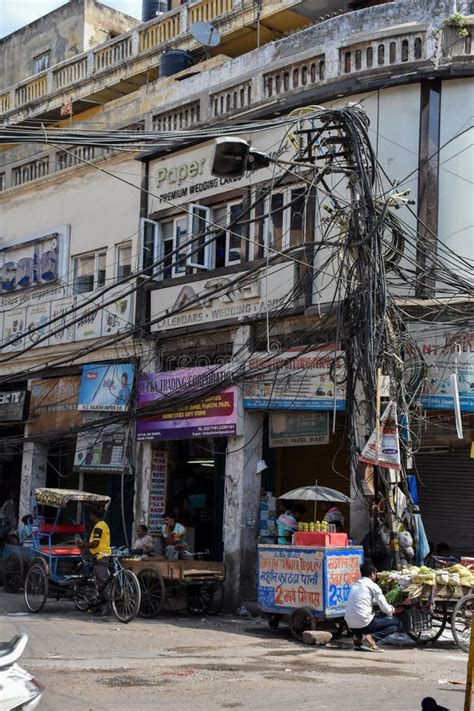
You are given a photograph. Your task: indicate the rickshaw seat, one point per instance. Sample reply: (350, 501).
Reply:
(60, 550)
(62, 528)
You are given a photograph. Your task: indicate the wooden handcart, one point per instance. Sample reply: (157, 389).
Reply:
(195, 585)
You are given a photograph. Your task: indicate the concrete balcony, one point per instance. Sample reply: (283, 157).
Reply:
(131, 60)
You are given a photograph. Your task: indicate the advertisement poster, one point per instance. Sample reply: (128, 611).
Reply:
(117, 317)
(102, 450)
(290, 578)
(59, 309)
(53, 404)
(446, 352)
(90, 324)
(292, 429)
(37, 318)
(216, 415)
(14, 326)
(157, 502)
(342, 571)
(106, 387)
(296, 381)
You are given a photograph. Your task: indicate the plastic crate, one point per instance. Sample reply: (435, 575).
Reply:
(416, 620)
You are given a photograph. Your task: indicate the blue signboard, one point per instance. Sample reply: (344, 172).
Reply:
(106, 387)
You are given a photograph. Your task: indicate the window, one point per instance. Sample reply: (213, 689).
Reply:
(89, 272)
(393, 52)
(417, 48)
(405, 50)
(124, 260)
(381, 54)
(369, 57)
(41, 62)
(358, 59)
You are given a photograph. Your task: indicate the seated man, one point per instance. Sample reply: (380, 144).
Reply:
(360, 615)
(174, 537)
(143, 543)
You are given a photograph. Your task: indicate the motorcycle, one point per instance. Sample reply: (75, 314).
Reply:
(18, 689)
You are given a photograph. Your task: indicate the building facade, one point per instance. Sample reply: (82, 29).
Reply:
(193, 314)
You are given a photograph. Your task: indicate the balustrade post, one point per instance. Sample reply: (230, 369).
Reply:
(135, 43)
(183, 19)
(90, 64)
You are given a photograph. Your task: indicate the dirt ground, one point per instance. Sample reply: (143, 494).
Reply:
(205, 664)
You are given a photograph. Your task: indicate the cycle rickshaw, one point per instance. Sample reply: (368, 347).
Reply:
(54, 564)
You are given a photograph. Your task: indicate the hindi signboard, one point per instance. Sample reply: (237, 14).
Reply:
(215, 415)
(342, 570)
(293, 429)
(290, 577)
(296, 380)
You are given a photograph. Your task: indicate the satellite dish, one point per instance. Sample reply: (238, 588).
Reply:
(205, 33)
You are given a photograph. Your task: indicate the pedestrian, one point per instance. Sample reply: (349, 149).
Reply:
(360, 614)
(287, 523)
(174, 537)
(143, 543)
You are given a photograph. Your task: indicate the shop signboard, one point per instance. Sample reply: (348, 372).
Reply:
(53, 405)
(157, 501)
(289, 578)
(222, 298)
(296, 380)
(446, 352)
(12, 405)
(216, 415)
(439, 430)
(293, 429)
(102, 449)
(342, 571)
(106, 387)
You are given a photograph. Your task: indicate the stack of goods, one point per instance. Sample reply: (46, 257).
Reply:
(267, 526)
(411, 582)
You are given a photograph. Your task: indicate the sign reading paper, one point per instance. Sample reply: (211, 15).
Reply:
(296, 380)
(106, 387)
(216, 415)
(293, 429)
(157, 502)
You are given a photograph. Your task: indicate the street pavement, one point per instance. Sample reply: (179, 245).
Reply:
(184, 663)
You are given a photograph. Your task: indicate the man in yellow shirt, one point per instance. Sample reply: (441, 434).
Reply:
(99, 547)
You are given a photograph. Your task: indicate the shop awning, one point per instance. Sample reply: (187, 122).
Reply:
(61, 497)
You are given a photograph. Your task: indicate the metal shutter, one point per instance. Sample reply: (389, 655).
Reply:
(446, 492)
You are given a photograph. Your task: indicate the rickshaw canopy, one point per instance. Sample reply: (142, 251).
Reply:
(59, 498)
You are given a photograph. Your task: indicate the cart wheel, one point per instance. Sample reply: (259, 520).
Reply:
(461, 621)
(274, 621)
(36, 587)
(431, 629)
(125, 596)
(13, 573)
(153, 592)
(300, 621)
(205, 598)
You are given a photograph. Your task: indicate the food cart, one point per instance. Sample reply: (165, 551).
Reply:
(309, 584)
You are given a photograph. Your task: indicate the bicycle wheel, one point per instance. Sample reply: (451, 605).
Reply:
(125, 596)
(36, 587)
(430, 625)
(153, 592)
(83, 596)
(461, 621)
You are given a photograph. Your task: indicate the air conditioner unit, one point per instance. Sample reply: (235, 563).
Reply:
(162, 6)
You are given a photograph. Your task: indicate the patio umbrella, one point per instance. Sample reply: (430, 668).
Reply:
(315, 493)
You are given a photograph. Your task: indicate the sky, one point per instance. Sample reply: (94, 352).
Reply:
(17, 13)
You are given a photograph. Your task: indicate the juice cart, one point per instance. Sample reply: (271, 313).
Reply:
(309, 584)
